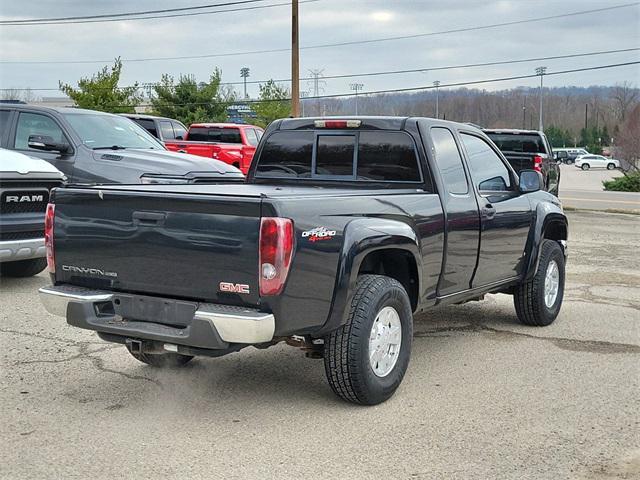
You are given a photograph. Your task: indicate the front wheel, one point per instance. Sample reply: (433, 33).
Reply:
(538, 301)
(611, 166)
(585, 166)
(569, 162)
(366, 359)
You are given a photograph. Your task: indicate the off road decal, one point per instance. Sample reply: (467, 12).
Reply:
(319, 233)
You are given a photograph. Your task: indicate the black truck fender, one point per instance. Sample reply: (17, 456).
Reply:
(551, 223)
(378, 245)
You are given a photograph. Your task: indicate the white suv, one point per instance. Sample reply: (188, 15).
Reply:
(585, 162)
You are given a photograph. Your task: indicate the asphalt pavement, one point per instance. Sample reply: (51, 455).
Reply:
(484, 397)
(583, 190)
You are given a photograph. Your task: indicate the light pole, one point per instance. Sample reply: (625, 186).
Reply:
(524, 112)
(303, 94)
(295, 61)
(356, 87)
(437, 85)
(541, 71)
(244, 73)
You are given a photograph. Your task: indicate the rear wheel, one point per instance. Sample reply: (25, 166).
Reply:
(538, 301)
(611, 166)
(163, 360)
(23, 268)
(366, 359)
(585, 166)
(569, 161)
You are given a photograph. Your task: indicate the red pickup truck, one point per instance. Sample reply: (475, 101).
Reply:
(231, 143)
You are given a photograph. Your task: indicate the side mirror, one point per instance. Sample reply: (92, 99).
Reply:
(46, 144)
(530, 181)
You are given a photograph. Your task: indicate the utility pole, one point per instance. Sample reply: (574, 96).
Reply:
(355, 87)
(524, 112)
(437, 85)
(586, 116)
(541, 71)
(295, 61)
(244, 73)
(303, 94)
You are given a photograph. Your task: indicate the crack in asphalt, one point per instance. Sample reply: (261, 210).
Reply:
(84, 353)
(48, 337)
(571, 344)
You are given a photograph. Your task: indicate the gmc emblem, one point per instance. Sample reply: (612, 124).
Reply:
(24, 198)
(234, 288)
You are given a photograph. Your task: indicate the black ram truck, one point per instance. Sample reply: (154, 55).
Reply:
(345, 229)
(529, 149)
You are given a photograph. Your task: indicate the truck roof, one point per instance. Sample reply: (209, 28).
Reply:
(379, 122)
(223, 125)
(513, 131)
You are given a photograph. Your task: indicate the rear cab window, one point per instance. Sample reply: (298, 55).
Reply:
(361, 156)
(518, 142)
(215, 134)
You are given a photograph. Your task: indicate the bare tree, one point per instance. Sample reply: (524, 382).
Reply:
(24, 95)
(629, 140)
(623, 95)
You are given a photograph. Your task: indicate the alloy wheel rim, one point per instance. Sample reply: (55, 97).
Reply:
(385, 340)
(551, 284)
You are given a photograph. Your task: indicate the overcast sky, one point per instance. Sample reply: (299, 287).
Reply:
(324, 21)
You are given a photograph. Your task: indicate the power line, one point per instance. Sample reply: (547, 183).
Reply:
(417, 89)
(327, 45)
(191, 14)
(127, 14)
(316, 75)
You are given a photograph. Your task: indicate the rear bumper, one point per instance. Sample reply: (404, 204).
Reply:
(14, 250)
(213, 326)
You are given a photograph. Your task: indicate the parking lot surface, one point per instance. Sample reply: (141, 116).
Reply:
(483, 398)
(584, 190)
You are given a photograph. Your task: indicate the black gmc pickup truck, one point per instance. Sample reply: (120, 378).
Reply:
(344, 229)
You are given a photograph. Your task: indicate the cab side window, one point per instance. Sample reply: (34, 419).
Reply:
(36, 124)
(252, 138)
(488, 171)
(449, 161)
(167, 130)
(179, 130)
(4, 121)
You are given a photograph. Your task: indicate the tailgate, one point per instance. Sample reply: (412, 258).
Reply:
(520, 162)
(165, 244)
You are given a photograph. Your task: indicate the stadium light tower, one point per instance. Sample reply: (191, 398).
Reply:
(244, 73)
(541, 71)
(356, 87)
(437, 85)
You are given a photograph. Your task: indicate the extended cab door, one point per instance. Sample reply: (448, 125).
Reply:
(505, 214)
(462, 218)
(38, 123)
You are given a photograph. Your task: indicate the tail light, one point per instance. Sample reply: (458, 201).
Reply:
(537, 163)
(276, 250)
(48, 237)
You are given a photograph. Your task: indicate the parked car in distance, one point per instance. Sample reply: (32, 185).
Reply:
(568, 155)
(231, 143)
(164, 129)
(344, 230)
(528, 149)
(25, 183)
(585, 162)
(95, 147)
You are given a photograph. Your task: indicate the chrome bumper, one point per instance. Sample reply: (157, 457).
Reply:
(232, 324)
(14, 250)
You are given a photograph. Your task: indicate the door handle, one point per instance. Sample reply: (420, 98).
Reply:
(148, 218)
(488, 212)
